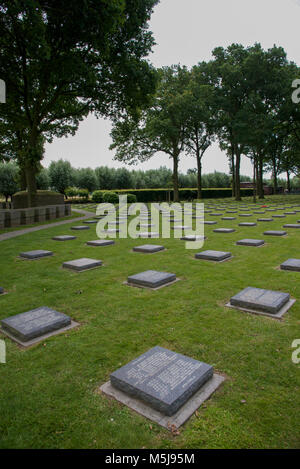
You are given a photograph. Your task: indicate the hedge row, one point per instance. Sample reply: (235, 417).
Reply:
(162, 195)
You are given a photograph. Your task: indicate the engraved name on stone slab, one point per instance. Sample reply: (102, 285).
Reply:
(163, 379)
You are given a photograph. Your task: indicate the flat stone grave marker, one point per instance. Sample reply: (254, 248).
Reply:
(251, 242)
(150, 234)
(185, 227)
(265, 219)
(64, 238)
(37, 254)
(278, 216)
(79, 228)
(114, 223)
(260, 301)
(290, 213)
(228, 218)
(100, 242)
(231, 211)
(247, 224)
(210, 222)
(147, 225)
(193, 238)
(275, 233)
(82, 264)
(291, 226)
(35, 325)
(151, 279)
(148, 248)
(216, 214)
(216, 256)
(163, 379)
(224, 230)
(90, 222)
(257, 212)
(111, 230)
(245, 215)
(291, 264)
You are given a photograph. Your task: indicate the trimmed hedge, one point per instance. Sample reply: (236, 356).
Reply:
(110, 197)
(97, 197)
(162, 195)
(41, 198)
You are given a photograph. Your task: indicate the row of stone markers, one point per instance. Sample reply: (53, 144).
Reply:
(162, 385)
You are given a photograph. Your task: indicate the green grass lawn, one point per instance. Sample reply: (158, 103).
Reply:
(49, 394)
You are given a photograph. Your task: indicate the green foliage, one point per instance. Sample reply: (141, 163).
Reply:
(71, 191)
(83, 193)
(85, 178)
(8, 179)
(131, 198)
(61, 175)
(110, 197)
(43, 179)
(97, 197)
(67, 59)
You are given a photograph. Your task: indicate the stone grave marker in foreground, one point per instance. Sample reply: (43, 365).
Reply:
(33, 326)
(291, 264)
(37, 254)
(259, 301)
(164, 386)
(151, 279)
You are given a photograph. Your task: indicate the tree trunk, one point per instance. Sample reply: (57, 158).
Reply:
(175, 178)
(233, 174)
(199, 177)
(23, 183)
(254, 181)
(261, 194)
(31, 185)
(288, 181)
(237, 175)
(275, 185)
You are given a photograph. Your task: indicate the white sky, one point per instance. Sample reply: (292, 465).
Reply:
(186, 32)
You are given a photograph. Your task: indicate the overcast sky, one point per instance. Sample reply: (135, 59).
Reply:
(186, 32)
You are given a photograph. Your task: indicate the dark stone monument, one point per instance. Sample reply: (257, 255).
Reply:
(100, 242)
(148, 248)
(216, 256)
(250, 242)
(151, 279)
(291, 264)
(82, 264)
(275, 233)
(64, 238)
(247, 224)
(163, 379)
(193, 238)
(260, 300)
(1, 290)
(291, 226)
(224, 230)
(36, 254)
(78, 228)
(35, 323)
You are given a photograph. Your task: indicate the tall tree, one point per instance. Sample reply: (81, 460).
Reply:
(199, 124)
(161, 127)
(61, 60)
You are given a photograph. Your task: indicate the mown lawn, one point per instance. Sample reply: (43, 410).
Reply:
(49, 394)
